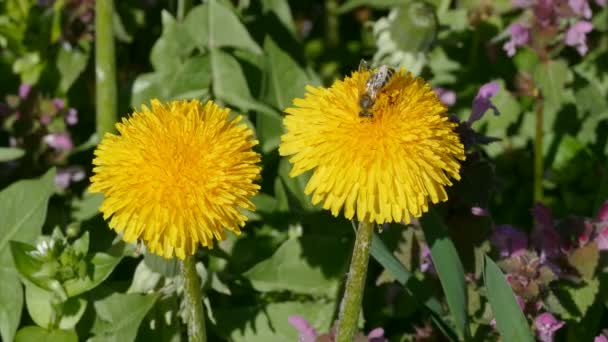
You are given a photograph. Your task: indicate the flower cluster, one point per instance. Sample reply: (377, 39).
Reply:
(40, 125)
(306, 333)
(79, 19)
(549, 18)
(533, 263)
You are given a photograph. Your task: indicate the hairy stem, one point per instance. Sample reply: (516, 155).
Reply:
(355, 283)
(194, 301)
(105, 68)
(538, 153)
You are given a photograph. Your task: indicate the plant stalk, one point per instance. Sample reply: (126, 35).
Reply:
(538, 153)
(105, 68)
(355, 284)
(183, 6)
(194, 301)
(332, 28)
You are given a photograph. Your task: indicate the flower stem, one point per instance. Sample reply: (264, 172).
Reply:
(538, 153)
(105, 68)
(332, 28)
(194, 301)
(353, 293)
(183, 6)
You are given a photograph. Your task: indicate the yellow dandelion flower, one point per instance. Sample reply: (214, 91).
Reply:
(383, 168)
(176, 176)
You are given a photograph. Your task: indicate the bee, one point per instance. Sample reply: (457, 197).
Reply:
(374, 84)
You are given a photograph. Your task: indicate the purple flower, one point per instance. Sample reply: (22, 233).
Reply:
(479, 211)
(602, 239)
(580, 7)
(545, 237)
(601, 3)
(509, 241)
(307, 332)
(59, 141)
(376, 335)
(45, 119)
(602, 214)
(522, 3)
(59, 103)
(426, 262)
(71, 117)
(520, 36)
(24, 90)
(446, 96)
(546, 325)
(600, 338)
(544, 11)
(576, 36)
(67, 175)
(481, 102)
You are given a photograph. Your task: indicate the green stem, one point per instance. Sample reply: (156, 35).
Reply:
(194, 301)
(332, 29)
(353, 293)
(538, 153)
(183, 6)
(105, 68)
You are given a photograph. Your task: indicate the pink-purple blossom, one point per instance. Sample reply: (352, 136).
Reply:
(59, 141)
(509, 241)
(306, 332)
(580, 8)
(600, 338)
(71, 117)
(546, 325)
(59, 103)
(24, 90)
(601, 3)
(68, 175)
(520, 36)
(446, 96)
(479, 211)
(482, 101)
(576, 36)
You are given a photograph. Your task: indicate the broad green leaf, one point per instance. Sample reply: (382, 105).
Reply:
(190, 79)
(41, 273)
(312, 265)
(414, 27)
(34, 333)
(23, 207)
(270, 323)
(449, 268)
(551, 77)
(381, 253)
(230, 85)
(572, 301)
(285, 80)
(10, 153)
(294, 188)
(380, 4)
(213, 25)
(167, 267)
(282, 11)
(119, 316)
(86, 207)
(173, 47)
(510, 320)
(144, 279)
(38, 303)
(71, 62)
(269, 129)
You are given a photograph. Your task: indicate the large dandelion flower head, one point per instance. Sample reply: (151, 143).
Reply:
(176, 176)
(383, 168)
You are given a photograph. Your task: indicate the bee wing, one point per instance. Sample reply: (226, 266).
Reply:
(363, 65)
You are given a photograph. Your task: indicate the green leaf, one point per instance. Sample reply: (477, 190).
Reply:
(449, 268)
(34, 333)
(270, 323)
(119, 316)
(381, 253)
(510, 320)
(551, 77)
(23, 207)
(173, 47)
(86, 207)
(414, 27)
(572, 301)
(285, 79)
(312, 265)
(39, 272)
(38, 303)
(188, 80)
(100, 266)
(294, 187)
(144, 279)
(71, 62)
(230, 85)
(282, 11)
(10, 153)
(213, 25)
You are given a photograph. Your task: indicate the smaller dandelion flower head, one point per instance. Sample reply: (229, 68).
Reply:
(383, 168)
(176, 176)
